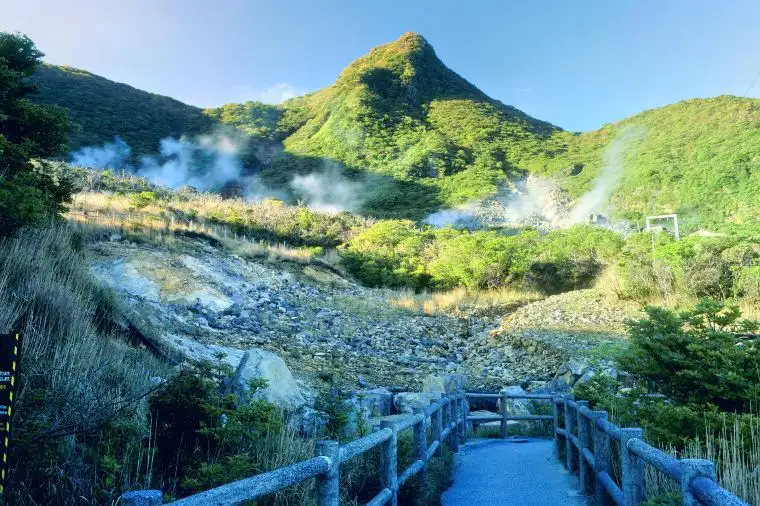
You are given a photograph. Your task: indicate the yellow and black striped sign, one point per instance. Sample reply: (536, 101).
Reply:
(10, 346)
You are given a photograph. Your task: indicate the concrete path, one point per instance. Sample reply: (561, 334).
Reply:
(505, 471)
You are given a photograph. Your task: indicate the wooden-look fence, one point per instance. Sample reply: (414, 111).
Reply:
(586, 440)
(445, 418)
(583, 441)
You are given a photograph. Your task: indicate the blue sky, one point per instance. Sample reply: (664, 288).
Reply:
(578, 64)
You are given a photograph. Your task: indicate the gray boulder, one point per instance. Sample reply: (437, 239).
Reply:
(308, 421)
(377, 401)
(444, 383)
(517, 407)
(282, 388)
(406, 402)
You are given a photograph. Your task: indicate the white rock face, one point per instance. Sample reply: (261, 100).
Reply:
(123, 276)
(406, 402)
(444, 383)
(283, 390)
(518, 407)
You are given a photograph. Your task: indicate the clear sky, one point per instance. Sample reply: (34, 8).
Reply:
(576, 63)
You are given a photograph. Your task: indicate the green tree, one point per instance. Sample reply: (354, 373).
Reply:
(30, 191)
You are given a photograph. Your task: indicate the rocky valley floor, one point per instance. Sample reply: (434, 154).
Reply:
(193, 301)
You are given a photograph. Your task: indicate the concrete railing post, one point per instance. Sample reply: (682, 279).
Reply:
(142, 498)
(633, 469)
(389, 462)
(691, 469)
(571, 453)
(453, 418)
(328, 484)
(436, 423)
(557, 438)
(503, 408)
(585, 472)
(420, 444)
(445, 413)
(601, 457)
(463, 411)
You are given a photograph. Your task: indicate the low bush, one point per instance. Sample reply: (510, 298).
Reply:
(695, 357)
(695, 391)
(398, 253)
(659, 268)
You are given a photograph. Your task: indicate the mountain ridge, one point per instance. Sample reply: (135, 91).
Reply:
(425, 138)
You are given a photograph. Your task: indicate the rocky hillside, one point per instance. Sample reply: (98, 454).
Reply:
(193, 301)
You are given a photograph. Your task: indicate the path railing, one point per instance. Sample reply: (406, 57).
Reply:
(586, 439)
(583, 441)
(446, 418)
(504, 416)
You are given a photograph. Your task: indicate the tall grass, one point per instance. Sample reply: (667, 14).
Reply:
(77, 373)
(735, 450)
(269, 220)
(461, 300)
(144, 227)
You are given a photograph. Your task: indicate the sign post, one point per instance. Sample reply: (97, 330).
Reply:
(10, 346)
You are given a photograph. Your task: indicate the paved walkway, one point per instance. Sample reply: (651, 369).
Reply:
(496, 472)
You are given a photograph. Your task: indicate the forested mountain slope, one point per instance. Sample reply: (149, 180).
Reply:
(421, 137)
(102, 109)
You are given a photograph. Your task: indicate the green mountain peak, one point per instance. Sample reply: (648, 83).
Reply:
(421, 137)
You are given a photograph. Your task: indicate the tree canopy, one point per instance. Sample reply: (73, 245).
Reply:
(30, 192)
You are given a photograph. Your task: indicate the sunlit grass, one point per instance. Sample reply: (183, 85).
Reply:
(461, 300)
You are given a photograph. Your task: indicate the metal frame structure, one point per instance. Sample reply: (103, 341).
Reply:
(674, 217)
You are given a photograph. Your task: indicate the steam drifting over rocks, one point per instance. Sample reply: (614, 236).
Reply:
(542, 204)
(209, 162)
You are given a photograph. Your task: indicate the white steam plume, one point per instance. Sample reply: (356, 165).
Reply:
(597, 199)
(111, 155)
(205, 163)
(541, 203)
(329, 191)
(461, 217)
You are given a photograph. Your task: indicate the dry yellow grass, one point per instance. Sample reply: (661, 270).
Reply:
(461, 300)
(736, 453)
(78, 375)
(92, 214)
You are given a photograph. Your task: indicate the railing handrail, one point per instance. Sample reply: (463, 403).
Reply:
(447, 417)
(586, 436)
(585, 429)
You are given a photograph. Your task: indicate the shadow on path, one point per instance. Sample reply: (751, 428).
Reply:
(519, 471)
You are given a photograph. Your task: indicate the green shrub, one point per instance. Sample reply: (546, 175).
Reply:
(747, 283)
(206, 438)
(398, 253)
(143, 199)
(681, 271)
(693, 357)
(80, 418)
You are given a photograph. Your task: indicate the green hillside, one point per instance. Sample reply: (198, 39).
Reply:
(102, 109)
(421, 137)
(699, 158)
(430, 137)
